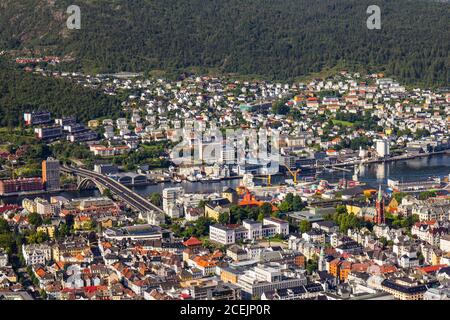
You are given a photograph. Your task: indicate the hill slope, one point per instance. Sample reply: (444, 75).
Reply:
(277, 39)
(20, 92)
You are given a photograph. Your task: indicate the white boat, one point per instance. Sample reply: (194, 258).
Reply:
(191, 178)
(176, 180)
(211, 179)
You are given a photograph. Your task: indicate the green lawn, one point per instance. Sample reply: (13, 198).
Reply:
(343, 123)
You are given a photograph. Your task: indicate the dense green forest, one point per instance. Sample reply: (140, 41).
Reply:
(282, 39)
(20, 92)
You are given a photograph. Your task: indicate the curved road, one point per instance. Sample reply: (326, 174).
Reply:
(128, 196)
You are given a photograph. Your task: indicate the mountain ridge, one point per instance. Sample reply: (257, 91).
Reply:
(280, 40)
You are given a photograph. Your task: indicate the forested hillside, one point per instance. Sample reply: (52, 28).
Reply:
(279, 39)
(20, 91)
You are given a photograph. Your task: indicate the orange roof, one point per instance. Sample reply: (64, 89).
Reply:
(202, 262)
(387, 269)
(83, 218)
(360, 267)
(335, 261)
(40, 272)
(79, 257)
(250, 200)
(429, 269)
(346, 255)
(192, 241)
(217, 254)
(106, 244)
(346, 265)
(60, 264)
(421, 223)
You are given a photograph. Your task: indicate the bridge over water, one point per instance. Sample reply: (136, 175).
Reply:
(133, 199)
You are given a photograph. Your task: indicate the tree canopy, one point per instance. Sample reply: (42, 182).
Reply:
(276, 39)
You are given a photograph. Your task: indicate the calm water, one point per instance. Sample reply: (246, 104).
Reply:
(415, 169)
(420, 168)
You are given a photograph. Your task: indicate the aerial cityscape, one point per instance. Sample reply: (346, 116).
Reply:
(203, 185)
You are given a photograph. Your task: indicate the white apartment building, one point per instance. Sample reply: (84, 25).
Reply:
(44, 207)
(281, 226)
(222, 234)
(3, 259)
(36, 253)
(382, 147)
(263, 278)
(250, 230)
(170, 197)
(444, 244)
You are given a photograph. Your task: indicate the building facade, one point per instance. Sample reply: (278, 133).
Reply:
(50, 174)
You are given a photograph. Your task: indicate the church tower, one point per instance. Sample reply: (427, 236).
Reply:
(322, 263)
(380, 207)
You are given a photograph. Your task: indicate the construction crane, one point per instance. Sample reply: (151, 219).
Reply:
(293, 173)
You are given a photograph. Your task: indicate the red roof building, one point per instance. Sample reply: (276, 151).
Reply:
(192, 242)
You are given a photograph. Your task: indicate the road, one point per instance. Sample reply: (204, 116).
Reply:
(130, 197)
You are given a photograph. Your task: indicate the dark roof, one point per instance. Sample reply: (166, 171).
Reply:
(314, 232)
(408, 290)
(323, 275)
(445, 270)
(229, 190)
(285, 292)
(236, 249)
(353, 191)
(218, 202)
(348, 245)
(174, 245)
(276, 248)
(314, 287)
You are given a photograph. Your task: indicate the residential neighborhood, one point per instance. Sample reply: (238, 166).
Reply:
(114, 212)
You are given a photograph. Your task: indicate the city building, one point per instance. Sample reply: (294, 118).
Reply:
(36, 253)
(216, 207)
(170, 205)
(249, 230)
(444, 243)
(231, 195)
(106, 169)
(48, 133)
(403, 289)
(50, 174)
(29, 205)
(138, 232)
(215, 290)
(262, 278)
(3, 259)
(21, 185)
(382, 147)
(43, 207)
(37, 117)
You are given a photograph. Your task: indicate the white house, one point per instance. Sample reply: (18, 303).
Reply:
(36, 253)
